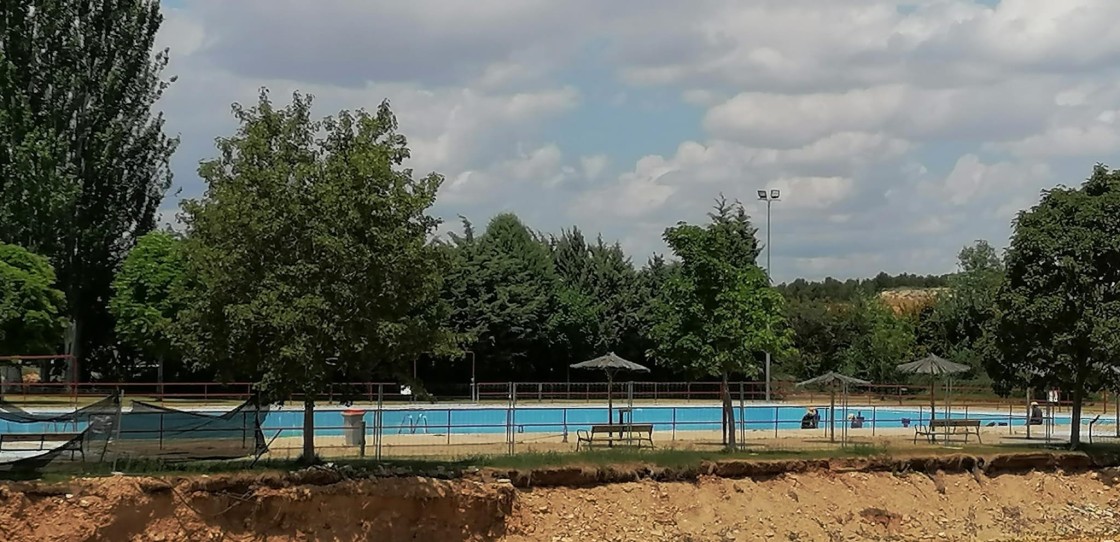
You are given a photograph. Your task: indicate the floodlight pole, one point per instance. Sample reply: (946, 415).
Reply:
(769, 197)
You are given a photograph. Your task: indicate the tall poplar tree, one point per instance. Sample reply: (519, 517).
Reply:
(83, 157)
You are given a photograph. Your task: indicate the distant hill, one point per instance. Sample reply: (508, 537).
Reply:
(834, 290)
(910, 300)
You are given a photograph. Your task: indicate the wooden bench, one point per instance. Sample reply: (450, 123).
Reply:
(610, 434)
(948, 428)
(69, 442)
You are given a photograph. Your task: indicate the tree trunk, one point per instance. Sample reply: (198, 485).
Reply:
(308, 456)
(728, 416)
(77, 352)
(1075, 418)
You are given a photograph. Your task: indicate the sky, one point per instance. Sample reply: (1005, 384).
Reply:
(897, 132)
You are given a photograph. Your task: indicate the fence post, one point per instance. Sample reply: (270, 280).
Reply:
(775, 422)
(742, 419)
(362, 443)
(565, 413)
(874, 419)
(674, 424)
(379, 422)
(511, 433)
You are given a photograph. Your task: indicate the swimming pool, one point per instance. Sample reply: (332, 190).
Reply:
(470, 419)
(546, 419)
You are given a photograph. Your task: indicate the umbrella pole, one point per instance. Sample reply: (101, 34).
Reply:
(610, 397)
(932, 407)
(832, 414)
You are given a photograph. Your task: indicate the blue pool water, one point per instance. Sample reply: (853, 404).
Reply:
(558, 419)
(469, 419)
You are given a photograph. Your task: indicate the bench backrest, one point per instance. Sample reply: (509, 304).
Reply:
(632, 428)
(954, 423)
(36, 437)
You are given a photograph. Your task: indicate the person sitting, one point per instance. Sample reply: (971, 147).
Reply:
(810, 419)
(1035, 417)
(858, 422)
(854, 421)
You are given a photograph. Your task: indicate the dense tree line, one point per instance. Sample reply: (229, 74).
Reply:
(310, 258)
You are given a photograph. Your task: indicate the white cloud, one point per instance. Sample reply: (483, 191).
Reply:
(594, 166)
(542, 167)
(972, 180)
(813, 192)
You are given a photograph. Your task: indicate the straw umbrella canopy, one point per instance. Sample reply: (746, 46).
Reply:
(832, 380)
(610, 364)
(934, 366)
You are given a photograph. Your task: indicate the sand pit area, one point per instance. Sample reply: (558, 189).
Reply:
(1058, 497)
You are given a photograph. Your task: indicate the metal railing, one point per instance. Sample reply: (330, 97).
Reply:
(494, 430)
(60, 393)
(413, 430)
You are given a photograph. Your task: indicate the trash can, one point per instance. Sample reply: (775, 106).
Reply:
(354, 427)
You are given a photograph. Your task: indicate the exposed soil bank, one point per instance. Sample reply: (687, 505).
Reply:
(992, 465)
(238, 508)
(1024, 497)
(828, 506)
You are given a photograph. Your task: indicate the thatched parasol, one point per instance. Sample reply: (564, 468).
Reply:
(610, 364)
(934, 366)
(831, 380)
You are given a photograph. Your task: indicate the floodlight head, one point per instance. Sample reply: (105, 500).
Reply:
(761, 194)
(775, 193)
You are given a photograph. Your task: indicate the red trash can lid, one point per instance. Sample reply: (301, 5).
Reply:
(353, 412)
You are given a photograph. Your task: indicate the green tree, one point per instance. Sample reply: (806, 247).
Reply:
(1058, 311)
(718, 312)
(502, 287)
(311, 254)
(576, 325)
(575, 328)
(819, 335)
(31, 308)
(83, 159)
(958, 319)
(148, 294)
(614, 284)
(877, 342)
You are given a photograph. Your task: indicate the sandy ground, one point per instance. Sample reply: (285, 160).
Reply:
(826, 505)
(457, 446)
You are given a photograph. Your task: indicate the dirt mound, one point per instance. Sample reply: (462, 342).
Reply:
(911, 300)
(952, 497)
(827, 506)
(238, 508)
(582, 476)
